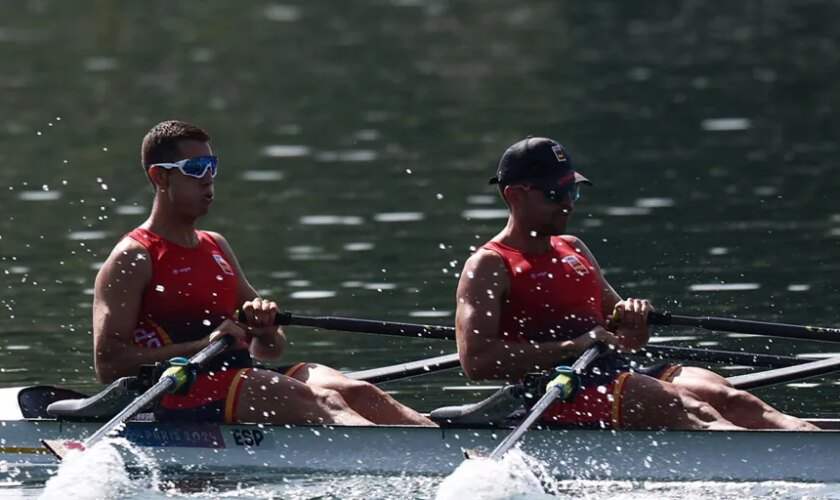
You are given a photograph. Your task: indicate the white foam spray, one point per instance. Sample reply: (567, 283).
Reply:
(101, 472)
(517, 473)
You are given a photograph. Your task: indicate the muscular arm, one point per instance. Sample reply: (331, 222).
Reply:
(269, 341)
(483, 351)
(630, 337)
(117, 296)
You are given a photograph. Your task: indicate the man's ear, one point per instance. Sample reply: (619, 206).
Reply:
(510, 194)
(159, 177)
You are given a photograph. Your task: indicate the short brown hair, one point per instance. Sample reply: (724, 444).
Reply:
(162, 143)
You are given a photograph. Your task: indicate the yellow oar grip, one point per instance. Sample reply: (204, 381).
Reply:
(566, 382)
(178, 373)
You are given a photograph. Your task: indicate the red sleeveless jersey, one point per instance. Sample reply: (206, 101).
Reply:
(553, 296)
(191, 292)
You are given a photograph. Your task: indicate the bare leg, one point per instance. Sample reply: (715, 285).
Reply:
(268, 397)
(737, 406)
(648, 403)
(368, 400)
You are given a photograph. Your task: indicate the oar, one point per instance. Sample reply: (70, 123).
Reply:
(561, 387)
(449, 361)
(406, 370)
(173, 378)
(440, 332)
(368, 326)
(819, 333)
(784, 375)
(726, 357)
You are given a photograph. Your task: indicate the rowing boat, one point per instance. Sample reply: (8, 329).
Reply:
(570, 453)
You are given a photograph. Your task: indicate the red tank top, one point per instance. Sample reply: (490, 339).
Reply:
(553, 296)
(191, 292)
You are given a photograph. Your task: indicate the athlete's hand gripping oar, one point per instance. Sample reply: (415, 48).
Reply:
(818, 333)
(172, 380)
(560, 388)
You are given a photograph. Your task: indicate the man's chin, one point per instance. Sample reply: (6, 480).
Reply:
(552, 231)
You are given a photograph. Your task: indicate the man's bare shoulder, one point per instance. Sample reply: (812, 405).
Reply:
(485, 261)
(127, 257)
(485, 270)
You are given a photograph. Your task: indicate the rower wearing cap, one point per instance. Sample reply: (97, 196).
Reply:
(533, 298)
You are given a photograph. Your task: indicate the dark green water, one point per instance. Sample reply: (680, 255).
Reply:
(357, 137)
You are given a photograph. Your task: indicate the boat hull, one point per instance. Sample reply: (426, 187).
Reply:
(570, 454)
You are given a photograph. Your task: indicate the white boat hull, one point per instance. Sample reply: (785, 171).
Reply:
(570, 454)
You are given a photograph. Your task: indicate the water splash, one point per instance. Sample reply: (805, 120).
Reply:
(516, 474)
(101, 472)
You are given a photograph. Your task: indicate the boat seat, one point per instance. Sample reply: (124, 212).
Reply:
(504, 405)
(102, 405)
(33, 401)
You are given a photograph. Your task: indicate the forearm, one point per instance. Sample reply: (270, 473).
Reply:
(632, 339)
(269, 346)
(121, 359)
(510, 360)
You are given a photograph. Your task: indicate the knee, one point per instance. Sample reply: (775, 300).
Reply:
(328, 398)
(698, 407)
(736, 398)
(356, 391)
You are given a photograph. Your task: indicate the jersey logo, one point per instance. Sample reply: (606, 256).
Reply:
(147, 338)
(576, 264)
(223, 264)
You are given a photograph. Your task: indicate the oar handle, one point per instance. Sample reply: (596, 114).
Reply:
(819, 333)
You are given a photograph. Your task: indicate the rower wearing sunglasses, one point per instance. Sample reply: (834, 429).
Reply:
(533, 298)
(168, 290)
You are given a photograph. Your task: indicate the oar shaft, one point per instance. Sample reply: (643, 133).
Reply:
(582, 363)
(368, 326)
(818, 333)
(405, 370)
(784, 375)
(727, 357)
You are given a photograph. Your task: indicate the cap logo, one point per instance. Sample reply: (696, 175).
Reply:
(558, 152)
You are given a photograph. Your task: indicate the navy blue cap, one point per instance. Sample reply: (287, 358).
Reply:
(538, 161)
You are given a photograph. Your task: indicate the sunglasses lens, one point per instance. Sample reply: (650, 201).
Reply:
(559, 195)
(197, 167)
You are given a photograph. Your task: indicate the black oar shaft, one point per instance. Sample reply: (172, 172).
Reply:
(725, 357)
(368, 326)
(818, 333)
(583, 362)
